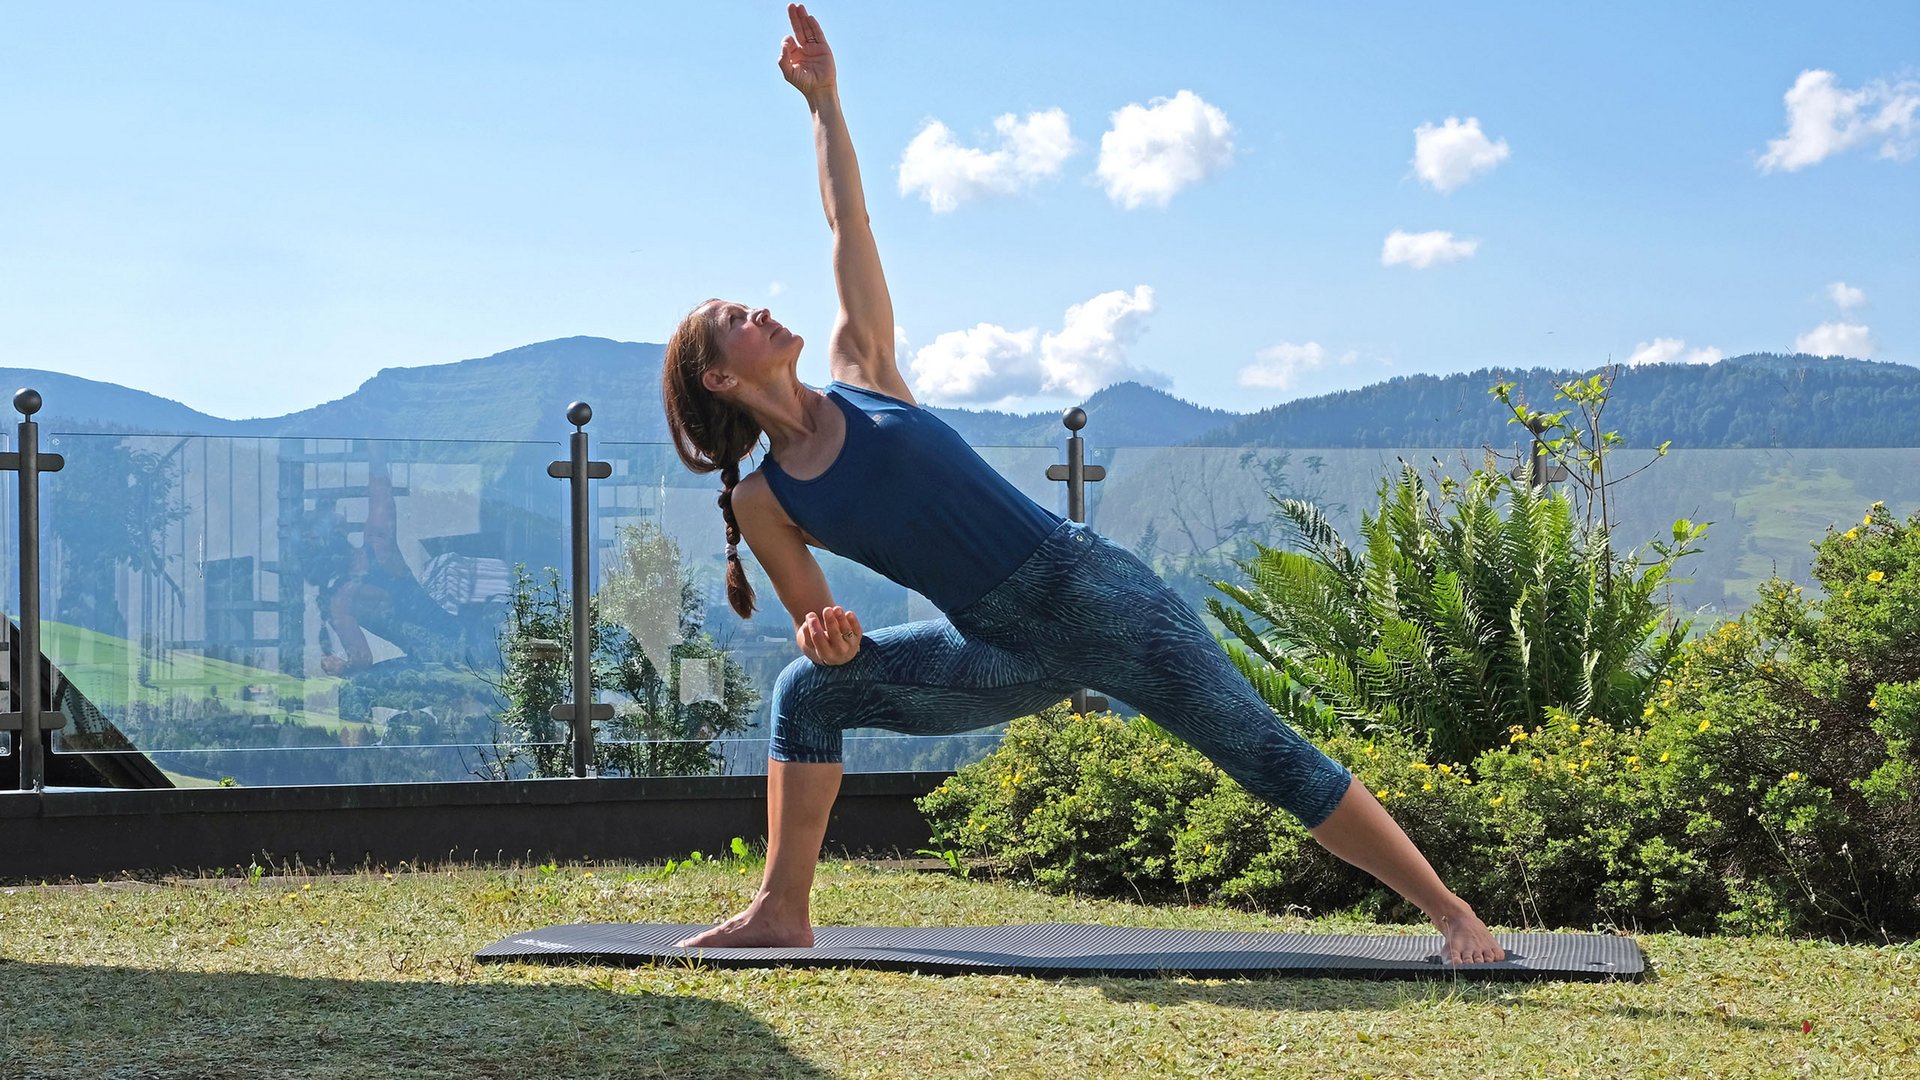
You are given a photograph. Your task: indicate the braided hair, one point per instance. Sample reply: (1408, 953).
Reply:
(709, 433)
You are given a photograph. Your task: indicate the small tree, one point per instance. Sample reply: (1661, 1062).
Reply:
(646, 643)
(683, 690)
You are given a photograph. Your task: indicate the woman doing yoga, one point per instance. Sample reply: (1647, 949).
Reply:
(1035, 606)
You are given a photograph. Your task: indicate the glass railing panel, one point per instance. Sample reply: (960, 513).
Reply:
(334, 611)
(287, 611)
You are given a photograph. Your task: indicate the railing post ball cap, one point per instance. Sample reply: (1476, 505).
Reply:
(579, 413)
(1075, 419)
(26, 401)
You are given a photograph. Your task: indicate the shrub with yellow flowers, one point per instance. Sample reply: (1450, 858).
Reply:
(1801, 722)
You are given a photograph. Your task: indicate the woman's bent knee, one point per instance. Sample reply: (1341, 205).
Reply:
(808, 715)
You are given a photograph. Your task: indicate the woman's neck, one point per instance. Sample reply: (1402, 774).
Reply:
(791, 421)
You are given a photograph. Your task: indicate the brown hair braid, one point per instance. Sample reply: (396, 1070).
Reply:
(708, 433)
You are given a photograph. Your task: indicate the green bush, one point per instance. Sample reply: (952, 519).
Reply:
(1569, 826)
(1081, 804)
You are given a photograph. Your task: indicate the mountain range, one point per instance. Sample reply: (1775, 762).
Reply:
(1756, 400)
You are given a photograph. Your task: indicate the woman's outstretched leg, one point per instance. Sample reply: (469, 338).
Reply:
(1360, 831)
(799, 798)
(1129, 635)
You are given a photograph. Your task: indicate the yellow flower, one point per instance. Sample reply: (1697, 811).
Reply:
(1633, 759)
(1873, 703)
(1666, 683)
(1664, 755)
(1877, 575)
(1793, 776)
(1421, 765)
(1426, 787)
(1496, 800)
(1381, 794)
(1648, 711)
(1518, 736)
(1586, 742)
(1575, 728)
(1705, 724)
(1446, 769)
(1851, 534)
(1868, 520)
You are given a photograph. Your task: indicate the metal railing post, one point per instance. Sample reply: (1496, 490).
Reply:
(1077, 473)
(582, 711)
(32, 717)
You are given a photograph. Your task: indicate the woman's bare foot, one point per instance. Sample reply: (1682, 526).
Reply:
(1467, 939)
(760, 926)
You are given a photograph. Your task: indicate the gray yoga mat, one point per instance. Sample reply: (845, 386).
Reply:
(1077, 949)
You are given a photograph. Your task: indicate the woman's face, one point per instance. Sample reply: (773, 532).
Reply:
(752, 344)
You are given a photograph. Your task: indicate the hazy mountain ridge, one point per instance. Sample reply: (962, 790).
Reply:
(1761, 399)
(1756, 400)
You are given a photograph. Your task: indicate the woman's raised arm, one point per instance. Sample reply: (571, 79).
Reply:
(863, 334)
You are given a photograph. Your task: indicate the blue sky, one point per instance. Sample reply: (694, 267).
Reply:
(254, 207)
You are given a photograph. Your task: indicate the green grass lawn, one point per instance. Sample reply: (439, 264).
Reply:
(371, 975)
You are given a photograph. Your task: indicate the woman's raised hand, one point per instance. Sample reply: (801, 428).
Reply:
(805, 59)
(830, 636)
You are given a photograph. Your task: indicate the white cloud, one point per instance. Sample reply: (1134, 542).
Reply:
(990, 366)
(1846, 296)
(1449, 156)
(1279, 367)
(1668, 350)
(1090, 351)
(1153, 151)
(1823, 120)
(899, 336)
(775, 288)
(1836, 339)
(1421, 250)
(946, 174)
(986, 363)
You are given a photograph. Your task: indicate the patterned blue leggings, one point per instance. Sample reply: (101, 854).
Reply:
(1082, 611)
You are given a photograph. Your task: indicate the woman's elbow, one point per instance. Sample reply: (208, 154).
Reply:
(845, 219)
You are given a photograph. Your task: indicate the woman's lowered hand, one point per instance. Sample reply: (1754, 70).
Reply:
(830, 636)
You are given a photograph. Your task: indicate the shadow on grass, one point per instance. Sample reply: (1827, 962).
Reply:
(84, 1021)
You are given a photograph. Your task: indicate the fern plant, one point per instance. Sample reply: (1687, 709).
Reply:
(1457, 620)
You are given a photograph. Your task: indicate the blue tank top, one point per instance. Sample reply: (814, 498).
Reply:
(910, 500)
